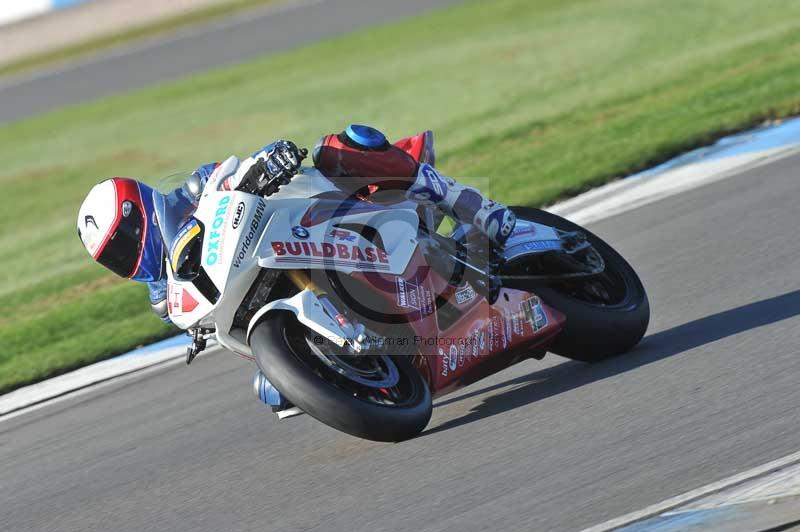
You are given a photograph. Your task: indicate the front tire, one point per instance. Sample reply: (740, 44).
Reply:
(595, 330)
(282, 352)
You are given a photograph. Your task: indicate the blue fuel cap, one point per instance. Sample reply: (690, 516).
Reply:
(366, 136)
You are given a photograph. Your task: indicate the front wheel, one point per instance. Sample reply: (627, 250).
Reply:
(379, 397)
(607, 314)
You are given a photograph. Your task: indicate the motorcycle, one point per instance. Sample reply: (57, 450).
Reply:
(360, 311)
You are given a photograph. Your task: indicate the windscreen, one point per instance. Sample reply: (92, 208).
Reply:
(174, 207)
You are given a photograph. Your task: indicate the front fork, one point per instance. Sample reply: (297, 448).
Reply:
(354, 334)
(262, 388)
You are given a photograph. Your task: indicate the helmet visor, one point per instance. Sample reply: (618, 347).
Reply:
(121, 252)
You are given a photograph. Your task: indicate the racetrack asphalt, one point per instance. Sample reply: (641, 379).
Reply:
(545, 445)
(221, 42)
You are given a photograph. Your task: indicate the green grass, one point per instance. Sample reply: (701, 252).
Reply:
(142, 31)
(545, 97)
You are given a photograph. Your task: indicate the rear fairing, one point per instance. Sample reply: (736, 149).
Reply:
(481, 340)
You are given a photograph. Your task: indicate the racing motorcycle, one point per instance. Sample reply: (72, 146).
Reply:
(361, 310)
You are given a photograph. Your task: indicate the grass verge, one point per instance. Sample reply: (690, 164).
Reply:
(547, 97)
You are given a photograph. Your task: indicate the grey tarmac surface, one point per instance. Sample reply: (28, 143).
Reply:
(550, 445)
(221, 42)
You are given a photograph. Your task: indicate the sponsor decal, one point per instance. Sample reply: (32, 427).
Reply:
(516, 324)
(300, 232)
(472, 344)
(528, 229)
(89, 218)
(216, 236)
(434, 181)
(407, 294)
(343, 235)
(462, 354)
(532, 308)
(426, 300)
(540, 318)
(465, 295)
(539, 245)
(182, 239)
(238, 215)
(503, 335)
(452, 358)
(414, 295)
(179, 301)
(478, 341)
(326, 250)
(328, 262)
(445, 363)
(493, 336)
(252, 233)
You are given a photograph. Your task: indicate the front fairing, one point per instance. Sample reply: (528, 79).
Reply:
(300, 227)
(323, 235)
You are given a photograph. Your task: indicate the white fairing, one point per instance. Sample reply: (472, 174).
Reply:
(328, 245)
(309, 312)
(244, 233)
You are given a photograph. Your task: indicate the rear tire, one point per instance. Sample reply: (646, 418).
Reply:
(594, 331)
(286, 363)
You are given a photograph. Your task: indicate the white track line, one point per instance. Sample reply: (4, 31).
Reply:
(83, 377)
(153, 367)
(690, 496)
(91, 388)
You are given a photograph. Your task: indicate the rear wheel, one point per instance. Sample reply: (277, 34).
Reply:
(379, 397)
(607, 314)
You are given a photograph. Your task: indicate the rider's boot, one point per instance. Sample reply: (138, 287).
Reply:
(467, 205)
(463, 203)
(270, 396)
(158, 299)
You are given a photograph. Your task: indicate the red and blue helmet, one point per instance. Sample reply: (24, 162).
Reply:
(117, 226)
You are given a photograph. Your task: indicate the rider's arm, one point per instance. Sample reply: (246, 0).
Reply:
(196, 182)
(267, 169)
(232, 181)
(275, 163)
(263, 153)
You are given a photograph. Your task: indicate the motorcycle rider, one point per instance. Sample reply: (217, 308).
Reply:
(117, 224)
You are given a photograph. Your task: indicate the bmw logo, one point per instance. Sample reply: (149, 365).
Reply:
(300, 232)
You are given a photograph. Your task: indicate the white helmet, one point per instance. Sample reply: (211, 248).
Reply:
(117, 227)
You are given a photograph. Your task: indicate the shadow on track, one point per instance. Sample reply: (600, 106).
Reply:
(569, 375)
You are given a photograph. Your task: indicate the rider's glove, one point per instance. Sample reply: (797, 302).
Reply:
(265, 176)
(283, 160)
